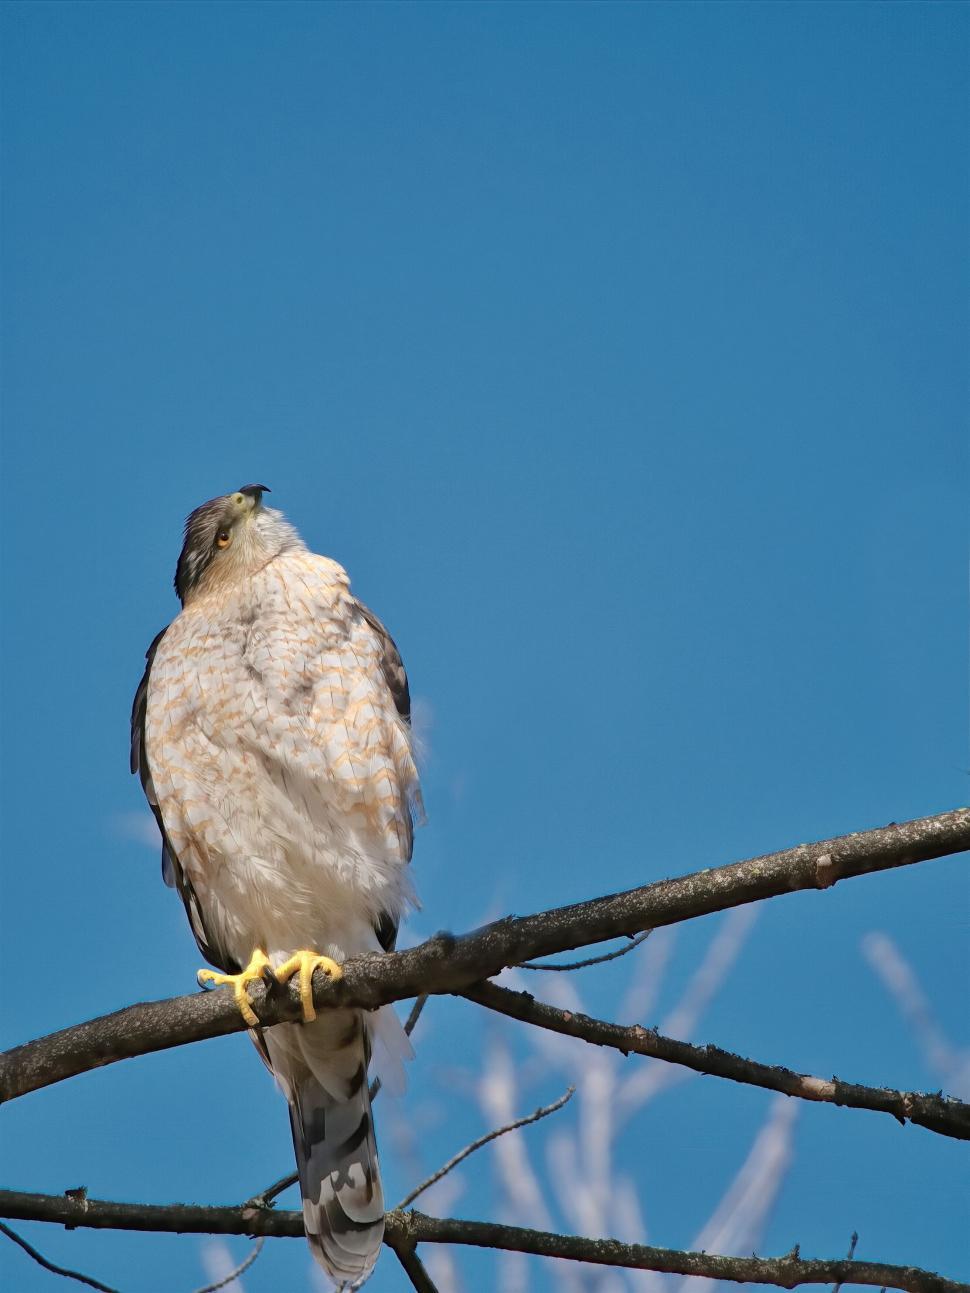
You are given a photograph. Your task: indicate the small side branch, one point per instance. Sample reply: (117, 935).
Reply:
(236, 1271)
(590, 960)
(409, 1026)
(403, 1230)
(543, 1112)
(850, 1254)
(413, 1267)
(937, 1113)
(41, 1260)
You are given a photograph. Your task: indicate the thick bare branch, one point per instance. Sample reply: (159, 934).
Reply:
(405, 1229)
(784, 1272)
(936, 1112)
(447, 963)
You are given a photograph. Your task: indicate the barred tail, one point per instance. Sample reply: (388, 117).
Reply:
(322, 1067)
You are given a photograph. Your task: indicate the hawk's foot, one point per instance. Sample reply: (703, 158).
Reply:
(254, 971)
(305, 963)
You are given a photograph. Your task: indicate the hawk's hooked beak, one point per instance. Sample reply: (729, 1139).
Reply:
(250, 496)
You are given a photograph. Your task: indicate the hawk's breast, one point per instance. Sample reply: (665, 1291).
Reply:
(282, 768)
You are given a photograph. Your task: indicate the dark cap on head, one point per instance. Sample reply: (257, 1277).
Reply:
(201, 529)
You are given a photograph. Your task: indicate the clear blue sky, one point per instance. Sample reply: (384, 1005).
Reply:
(620, 353)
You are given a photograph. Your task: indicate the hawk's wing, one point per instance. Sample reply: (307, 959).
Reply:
(172, 872)
(138, 761)
(395, 675)
(392, 666)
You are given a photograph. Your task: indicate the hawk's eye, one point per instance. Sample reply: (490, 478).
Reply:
(222, 539)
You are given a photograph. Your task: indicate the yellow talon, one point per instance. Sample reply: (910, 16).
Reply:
(306, 963)
(254, 971)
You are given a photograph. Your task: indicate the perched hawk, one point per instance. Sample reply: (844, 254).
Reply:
(271, 731)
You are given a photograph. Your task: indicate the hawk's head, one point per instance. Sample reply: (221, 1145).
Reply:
(230, 537)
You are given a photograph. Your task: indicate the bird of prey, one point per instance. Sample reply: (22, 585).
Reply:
(271, 732)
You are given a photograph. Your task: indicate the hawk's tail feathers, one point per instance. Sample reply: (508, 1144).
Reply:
(323, 1069)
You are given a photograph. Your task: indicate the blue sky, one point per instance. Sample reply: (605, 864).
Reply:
(619, 352)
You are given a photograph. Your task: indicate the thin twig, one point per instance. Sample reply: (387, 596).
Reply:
(592, 960)
(243, 1266)
(265, 1199)
(49, 1266)
(446, 963)
(543, 1112)
(414, 1268)
(851, 1253)
(410, 1228)
(938, 1113)
(409, 1026)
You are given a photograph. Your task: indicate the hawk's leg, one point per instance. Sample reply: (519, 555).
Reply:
(305, 963)
(256, 969)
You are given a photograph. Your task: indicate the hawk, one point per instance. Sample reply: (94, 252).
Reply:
(271, 732)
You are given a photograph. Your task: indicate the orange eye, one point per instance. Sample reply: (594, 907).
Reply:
(222, 539)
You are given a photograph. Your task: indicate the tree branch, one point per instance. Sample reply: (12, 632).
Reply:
(589, 960)
(938, 1113)
(241, 1269)
(785, 1272)
(413, 1267)
(41, 1260)
(542, 1112)
(447, 963)
(403, 1230)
